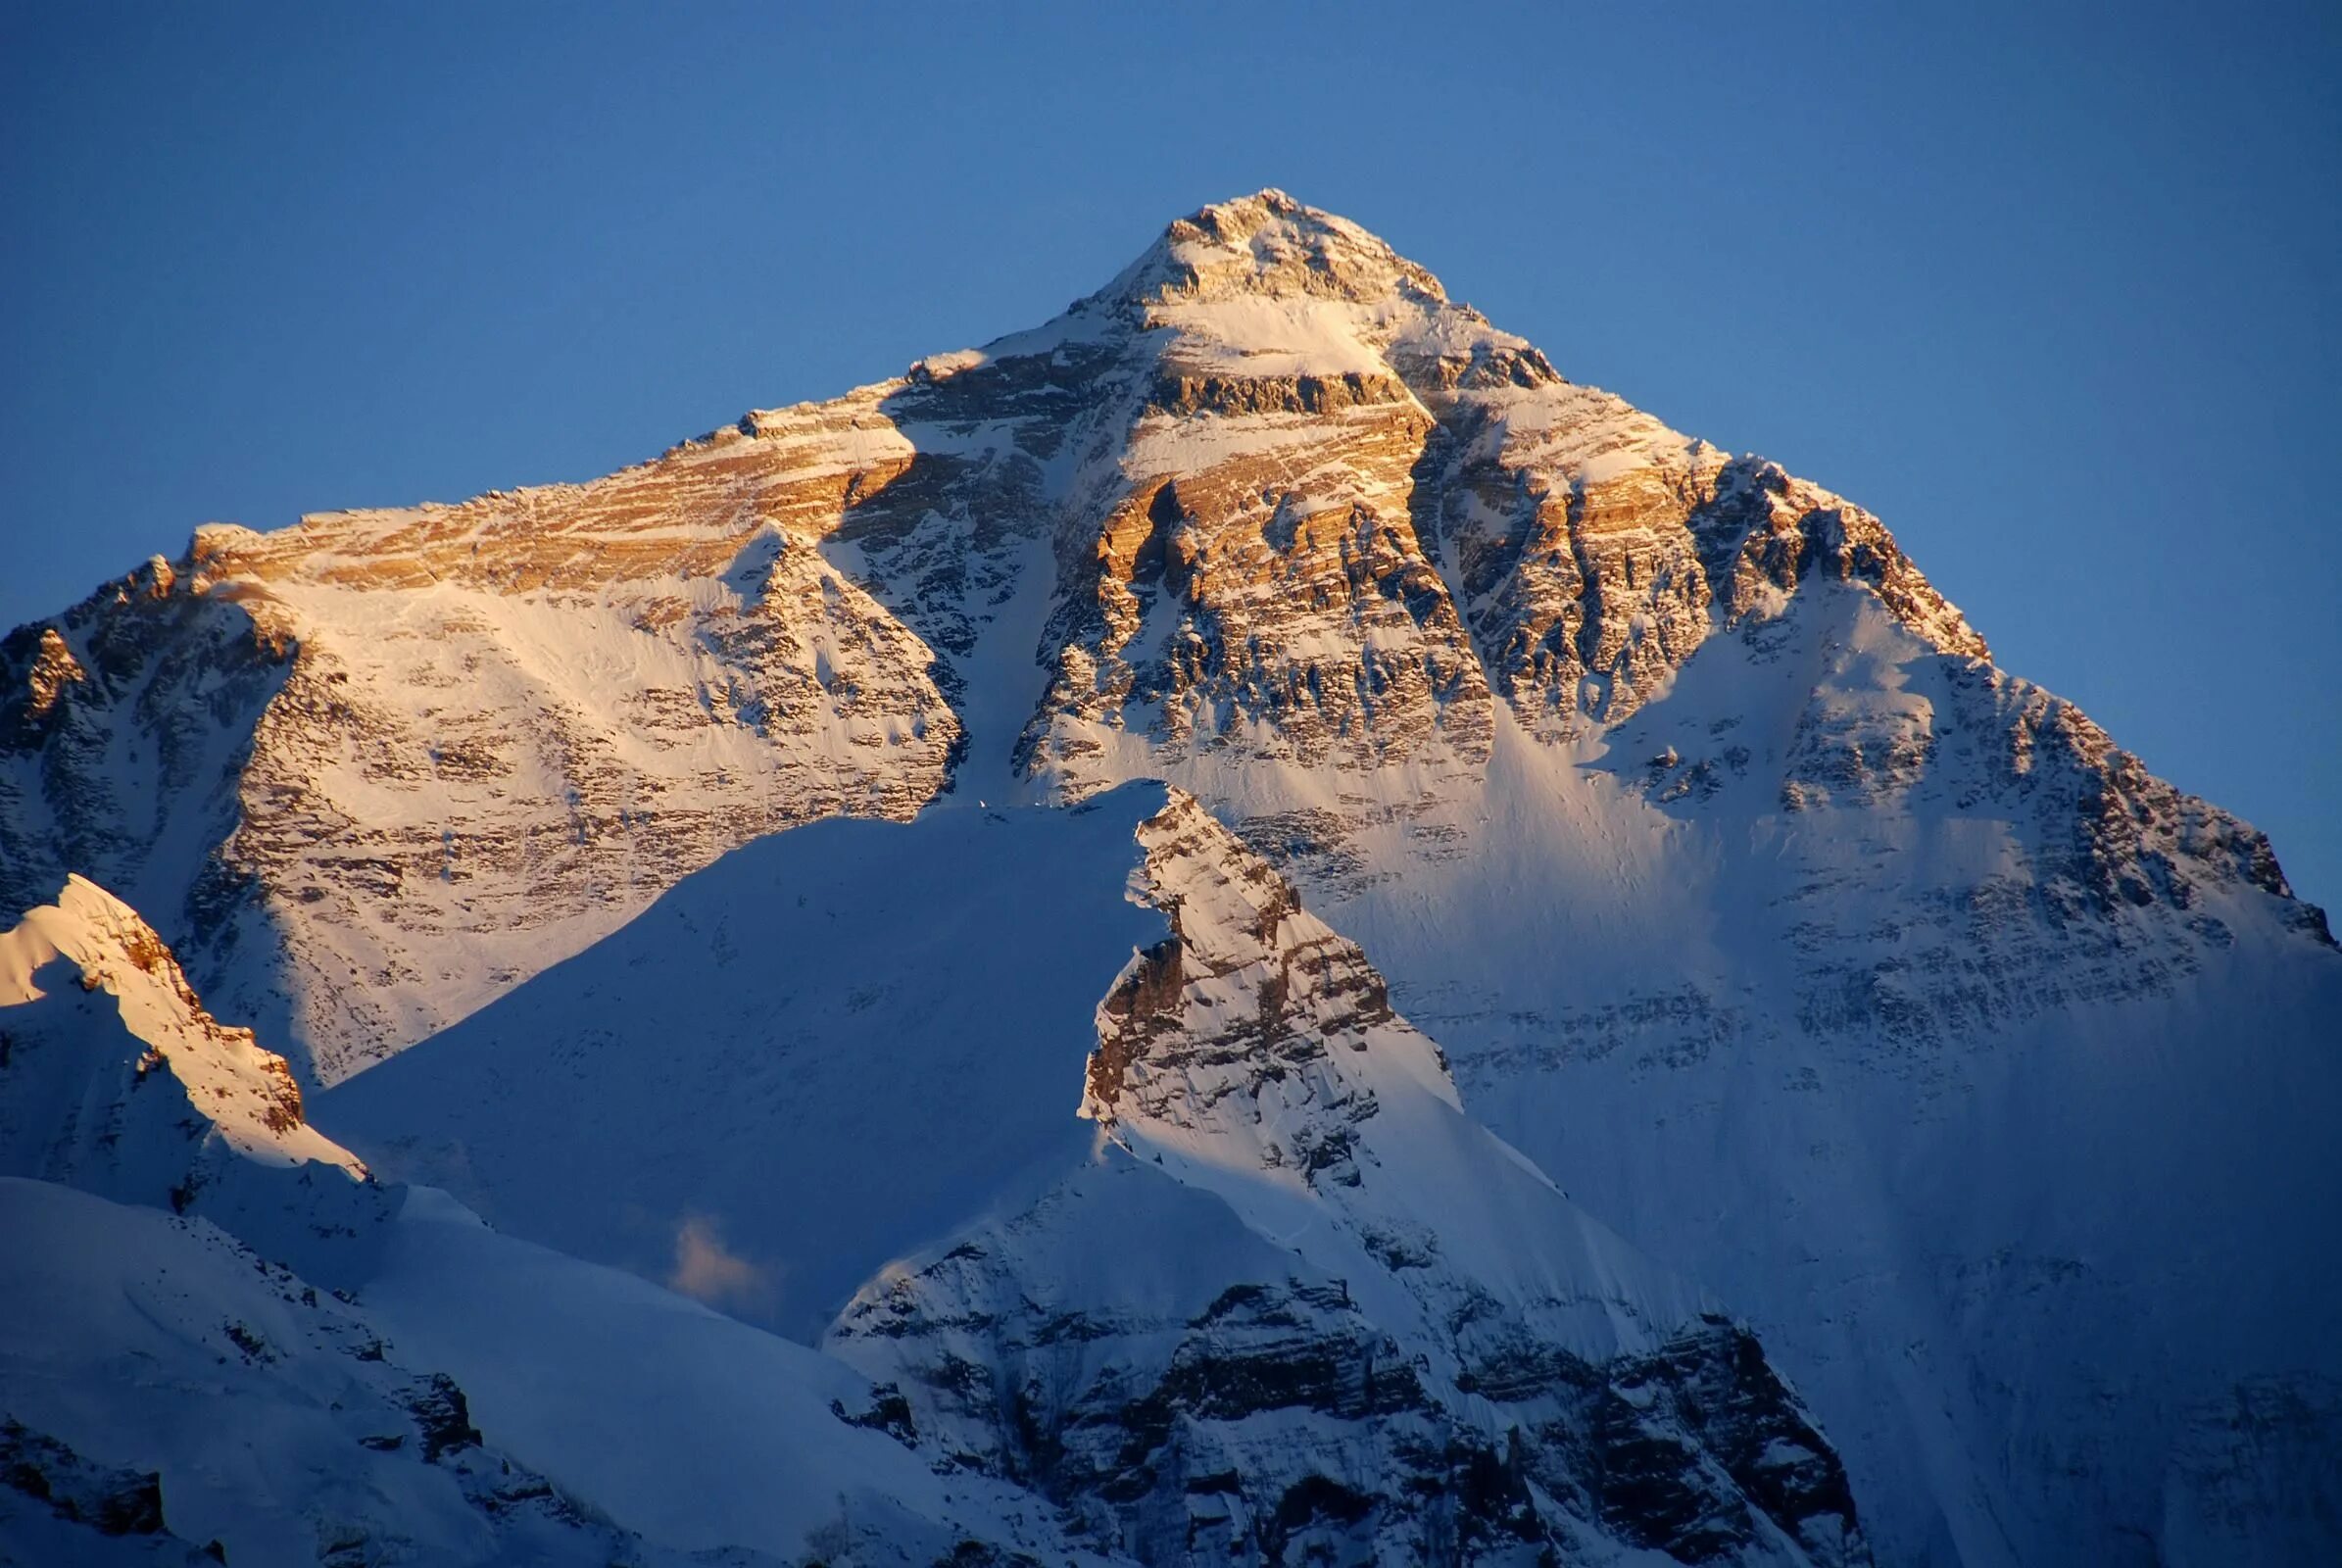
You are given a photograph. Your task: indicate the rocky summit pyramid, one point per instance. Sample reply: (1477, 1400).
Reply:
(1442, 973)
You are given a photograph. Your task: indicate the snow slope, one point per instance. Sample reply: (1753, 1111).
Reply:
(828, 1048)
(247, 1095)
(269, 1413)
(694, 1429)
(1987, 1157)
(295, 1426)
(116, 1078)
(165, 1379)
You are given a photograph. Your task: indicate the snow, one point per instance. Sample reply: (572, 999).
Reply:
(2012, 1230)
(1246, 335)
(278, 1415)
(871, 1040)
(156, 1343)
(439, 666)
(869, 1035)
(700, 1431)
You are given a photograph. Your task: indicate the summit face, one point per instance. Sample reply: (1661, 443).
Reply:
(1423, 969)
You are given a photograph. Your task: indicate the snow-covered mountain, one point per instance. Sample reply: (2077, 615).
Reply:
(1985, 1077)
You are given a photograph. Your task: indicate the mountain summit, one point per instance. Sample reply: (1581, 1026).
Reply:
(1745, 896)
(1266, 244)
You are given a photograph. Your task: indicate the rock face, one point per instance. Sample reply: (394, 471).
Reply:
(1743, 892)
(300, 750)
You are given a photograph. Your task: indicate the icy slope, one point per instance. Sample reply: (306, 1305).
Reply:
(341, 1439)
(1284, 1165)
(689, 1427)
(1988, 1073)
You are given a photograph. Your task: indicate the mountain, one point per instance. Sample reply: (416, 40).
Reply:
(1985, 1076)
(175, 1397)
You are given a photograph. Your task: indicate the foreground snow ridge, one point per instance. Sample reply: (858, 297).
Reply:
(1039, 943)
(246, 1098)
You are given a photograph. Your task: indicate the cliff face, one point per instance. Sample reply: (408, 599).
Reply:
(1659, 785)
(402, 759)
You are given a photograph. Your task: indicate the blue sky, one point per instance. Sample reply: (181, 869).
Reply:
(2057, 290)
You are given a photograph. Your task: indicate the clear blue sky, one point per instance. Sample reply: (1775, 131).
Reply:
(2057, 295)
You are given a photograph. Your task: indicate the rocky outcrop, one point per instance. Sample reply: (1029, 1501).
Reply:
(1245, 998)
(1243, 576)
(123, 727)
(1321, 1361)
(1227, 615)
(109, 1500)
